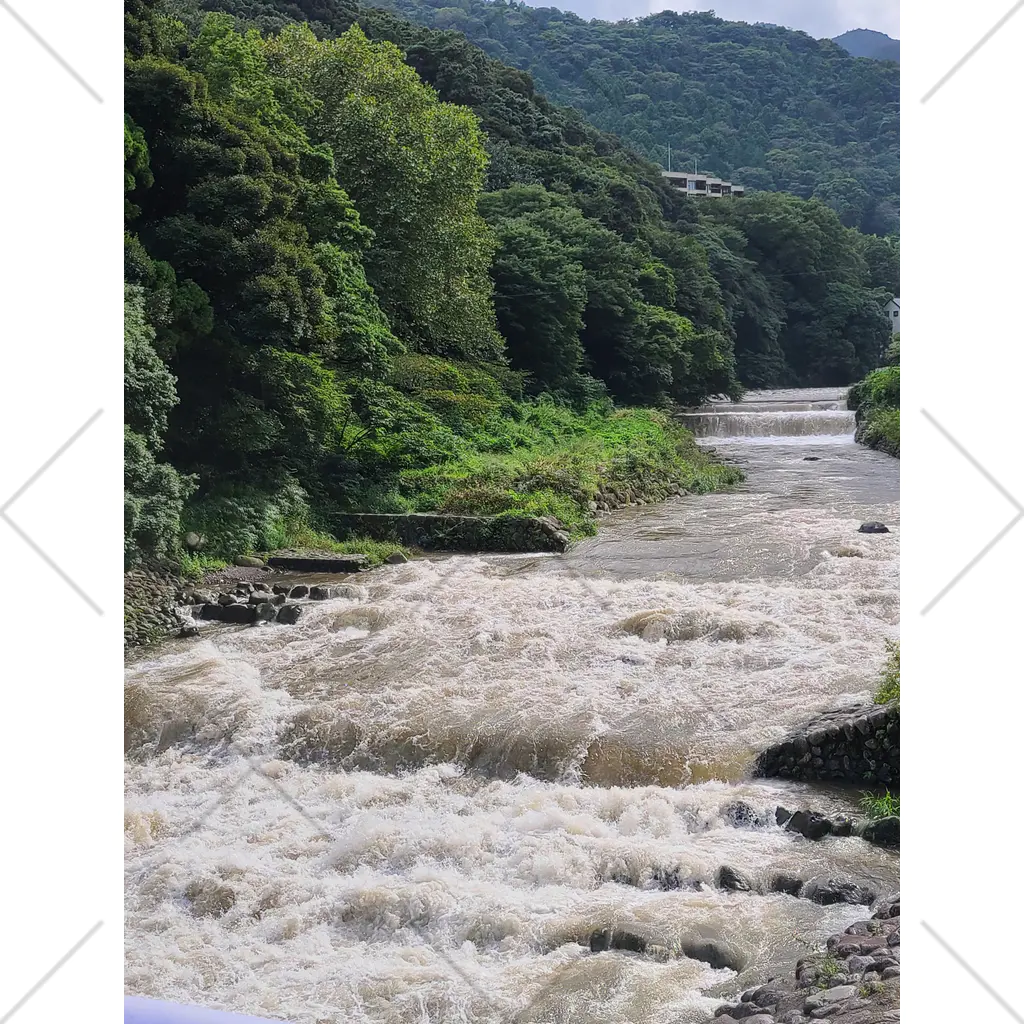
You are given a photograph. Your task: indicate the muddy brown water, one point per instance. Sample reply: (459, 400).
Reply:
(416, 804)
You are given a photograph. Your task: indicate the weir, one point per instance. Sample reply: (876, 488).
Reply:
(764, 417)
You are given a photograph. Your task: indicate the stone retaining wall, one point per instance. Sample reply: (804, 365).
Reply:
(433, 531)
(858, 744)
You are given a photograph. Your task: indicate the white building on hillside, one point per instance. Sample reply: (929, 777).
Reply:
(892, 311)
(702, 184)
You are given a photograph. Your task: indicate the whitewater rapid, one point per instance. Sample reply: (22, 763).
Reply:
(418, 803)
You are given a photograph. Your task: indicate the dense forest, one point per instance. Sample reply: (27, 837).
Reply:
(767, 106)
(368, 266)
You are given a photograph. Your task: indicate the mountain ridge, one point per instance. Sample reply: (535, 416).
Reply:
(866, 42)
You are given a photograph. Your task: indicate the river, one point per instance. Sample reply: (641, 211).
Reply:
(416, 805)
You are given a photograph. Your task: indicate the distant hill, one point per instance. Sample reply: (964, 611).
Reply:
(771, 108)
(863, 42)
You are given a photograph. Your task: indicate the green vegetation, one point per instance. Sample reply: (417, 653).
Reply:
(370, 269)
(889, 688)
(877, 806)
(877, 401)
(770, 107)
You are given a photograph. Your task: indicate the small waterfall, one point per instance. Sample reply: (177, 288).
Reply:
(774, 414)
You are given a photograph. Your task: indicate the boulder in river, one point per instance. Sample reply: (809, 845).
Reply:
(809, 824)
(829, 892)
(299, 590)
(741, 815)
(396, 558)
(873, 528)
(716, 954)
(730, 878)
(883, 832)
(789, 884)
(289, 614)
(607, 938)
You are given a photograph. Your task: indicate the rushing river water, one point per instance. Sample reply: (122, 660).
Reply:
(417, 805)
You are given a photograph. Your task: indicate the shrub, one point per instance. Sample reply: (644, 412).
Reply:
(889, 688)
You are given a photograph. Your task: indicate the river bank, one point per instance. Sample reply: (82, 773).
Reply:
(428, 798)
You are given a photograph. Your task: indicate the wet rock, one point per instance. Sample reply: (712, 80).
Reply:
(670, 878)
(809, 824)
(298, 591)
(782, 815)
(873, 528)
(226, 599)
(248, 562)
(396, 558)
(606, 939)
(244, 588)
(240, 614)
(883, 832)
(788, 884)
(263, 588)
(741, 815)
(289, 614)
(188, 630)
(730, 878)
(832, 891)
(210, 612)
(716, 954)
(203, 597)
(266, 612)
(842, 826)
(321, 593)
(280, 588)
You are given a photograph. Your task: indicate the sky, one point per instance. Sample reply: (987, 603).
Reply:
(819, 18)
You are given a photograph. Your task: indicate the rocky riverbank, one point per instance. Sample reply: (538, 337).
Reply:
(859, 744)
(856, 978)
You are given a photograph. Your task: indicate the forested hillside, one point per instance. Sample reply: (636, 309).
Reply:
(347, 290)
(863, 42)
(770, 107)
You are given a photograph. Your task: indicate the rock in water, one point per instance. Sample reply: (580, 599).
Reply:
(811, 458)
(809, 824)
(829, 893)
(884, 832)
(730, 878)
(606, 939)
(396, 558)
(873, 528)
(289, 614)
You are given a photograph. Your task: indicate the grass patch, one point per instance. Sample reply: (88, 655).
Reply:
(889, 688)
(305, 538)
(560, 462)
(877, 806)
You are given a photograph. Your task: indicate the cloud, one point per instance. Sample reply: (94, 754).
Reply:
(819, 18)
